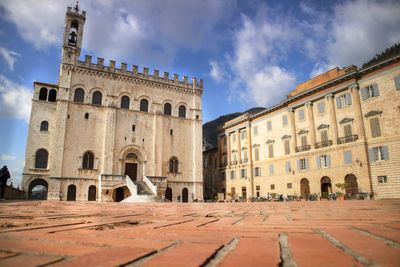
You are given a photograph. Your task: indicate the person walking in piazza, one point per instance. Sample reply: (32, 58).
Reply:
(4, 175)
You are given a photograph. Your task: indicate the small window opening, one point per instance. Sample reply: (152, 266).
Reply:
(171, 132)
(133, 127)
(86, 116)
(197, 117)
(52, 95)
(68, 116)
(43, 93)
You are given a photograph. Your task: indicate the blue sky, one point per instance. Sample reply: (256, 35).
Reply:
(249, 53)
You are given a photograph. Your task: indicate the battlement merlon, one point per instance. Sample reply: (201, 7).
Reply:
(134, 73)
(75, 12)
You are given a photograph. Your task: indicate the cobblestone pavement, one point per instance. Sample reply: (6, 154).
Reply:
(327, 233)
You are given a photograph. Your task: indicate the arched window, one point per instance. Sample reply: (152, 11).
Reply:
(173, 165)
(79, 95)
(73, 33)
(88, 161)
(125, 102)
(167, 109)
(144, 105)
(43, 93)
(96, 98)
(182, 111)
(52, 95)
(41, 159)
(44, 126)
(86, 116)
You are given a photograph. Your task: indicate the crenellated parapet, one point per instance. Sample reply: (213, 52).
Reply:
(144, 75)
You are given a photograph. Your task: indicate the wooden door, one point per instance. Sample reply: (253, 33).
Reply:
(131, 171)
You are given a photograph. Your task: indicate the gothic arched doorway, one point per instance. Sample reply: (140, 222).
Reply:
(131, 166)
(119, 194)
(352, 189)
(168, 194)
(304, 188)
(185, 195)
(71, 193)
(326, 186)
(38, 189)
(92, 193)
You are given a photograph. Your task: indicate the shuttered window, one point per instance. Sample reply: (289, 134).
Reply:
(323, 161)
(397, 82)
(324, 136)
(287, 147)
(269, 125)
(41, 159)
(270, 150)
(375, 127)
(347, 130)
(256, 154)
(378, 153)
(343, 100)
(369, 91)
(271, 169)
(347, 157)
(284, 120)
(301, 114)
(287, 165)
(303, 140)
(321, 107)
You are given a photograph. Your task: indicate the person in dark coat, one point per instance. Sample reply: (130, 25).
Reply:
(4, 176)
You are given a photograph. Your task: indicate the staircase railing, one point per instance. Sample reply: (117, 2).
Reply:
(150, 185)
(131, 185)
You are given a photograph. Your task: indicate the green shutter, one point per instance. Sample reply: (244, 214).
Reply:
(348, 99)
(385, 152)
(364, 93)
(371, 154)
(397, 82)
(338, 102)
(376, 90)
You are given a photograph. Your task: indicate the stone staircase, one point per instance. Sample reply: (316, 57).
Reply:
(142, 191)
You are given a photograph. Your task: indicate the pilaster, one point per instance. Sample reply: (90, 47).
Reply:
(292, 129)
(332, 117)
(311, 123)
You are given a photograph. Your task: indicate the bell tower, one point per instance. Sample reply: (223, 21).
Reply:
(73, 32)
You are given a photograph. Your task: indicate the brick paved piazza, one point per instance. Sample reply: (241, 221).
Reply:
(334, 233)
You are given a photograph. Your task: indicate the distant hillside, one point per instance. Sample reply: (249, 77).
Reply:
(209, 129)
(388, 53)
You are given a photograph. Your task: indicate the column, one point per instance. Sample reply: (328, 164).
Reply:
(228, 148)
(311, 124)
(239, 150)
(332, 117)
(292, 129)
(359, 122)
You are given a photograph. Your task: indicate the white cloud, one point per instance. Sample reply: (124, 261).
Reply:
(351, 34)
(9, 56)
(361, 29)
(15, 100)
(151, 32)
(259, 47)
(218, 71)
(7, 157)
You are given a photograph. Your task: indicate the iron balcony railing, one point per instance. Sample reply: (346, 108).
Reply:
(323, 144)
(347, 139)
(243, 161)
(234, 162)
(303, 148)
(223, 164)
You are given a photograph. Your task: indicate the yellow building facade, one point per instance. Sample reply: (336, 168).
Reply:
(339, 127)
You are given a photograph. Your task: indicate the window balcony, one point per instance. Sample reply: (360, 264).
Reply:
(223, 164)
(233, 163)
(303, 148)
(243, 161)
(323, 144)
(347, 139)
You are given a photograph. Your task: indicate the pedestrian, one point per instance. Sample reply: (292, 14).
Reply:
(179, 198)
(4, 175)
